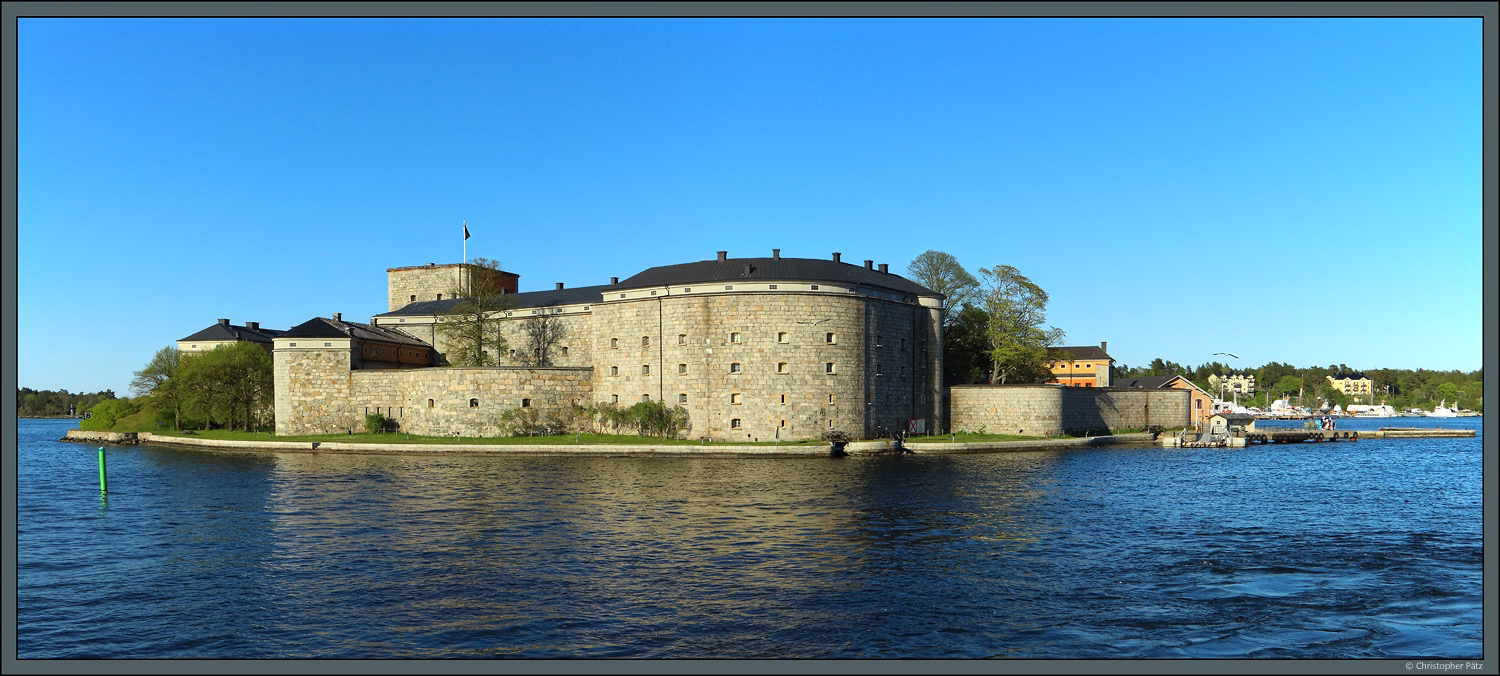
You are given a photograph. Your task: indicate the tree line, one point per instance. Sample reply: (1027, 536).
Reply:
(229, 387)
(1399, 388)
(53, 403)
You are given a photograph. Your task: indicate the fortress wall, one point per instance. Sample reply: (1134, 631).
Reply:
(1042, 410)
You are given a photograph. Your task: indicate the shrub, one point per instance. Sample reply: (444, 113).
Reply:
(106, 413)
(835, 435)
(374, 423)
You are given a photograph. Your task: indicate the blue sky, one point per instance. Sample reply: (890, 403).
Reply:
(1299, 190)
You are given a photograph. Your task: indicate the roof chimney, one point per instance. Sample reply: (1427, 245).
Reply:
(1104, 346)
(883, 268)
(869, 264)
(835, 256)
(559, 286)
(223, 322)
(723, 255)
(747, 269)
(430, 264)
(338, 316)
(614, 280)
(253, 326)
(776, 254)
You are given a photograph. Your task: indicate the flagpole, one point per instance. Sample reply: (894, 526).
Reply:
(465, 259)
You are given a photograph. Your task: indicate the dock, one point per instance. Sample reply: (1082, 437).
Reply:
(1287, 435)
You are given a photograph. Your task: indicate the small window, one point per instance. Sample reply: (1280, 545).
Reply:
(682, 368)
(413, 298)
(645, 341)
(830, 423)
(682, 398)
(431, 403)
(565, 351)
(903, 344)
(614, 370)
(512, 354)
(614, 343)
(614, 398)
(829, 338)
(653, 293)
(781, 336)
(645, 397)
(196, 347)
(773, 286)
(645, 369)
(525, 403)
(734, 367)
(830, 397)
(781, 367)
(783, 400)
(682, 339)
(815, 288)
(687, 289)
(734, 423)
(734, 397)
(473, 403)
(327, 344)
(288, 344)
(734, 337)
(440, 296)
(622, 295)
(783, 423)
(877, 340)
(828, 368)
(728, 287)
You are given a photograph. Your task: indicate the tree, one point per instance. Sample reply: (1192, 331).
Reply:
(541, 333)
(471, 327)
(942, 273)
(1016, 308)
(161, 367)
(1288, 385)
(232, 383)
(966, 347)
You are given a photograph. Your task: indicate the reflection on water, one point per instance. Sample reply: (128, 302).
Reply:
(1333, 550)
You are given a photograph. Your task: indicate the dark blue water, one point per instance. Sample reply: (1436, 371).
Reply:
(1367, 549)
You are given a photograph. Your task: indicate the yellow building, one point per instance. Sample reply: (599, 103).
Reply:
(1353, 384)
(1226, 386)
(1084, 366)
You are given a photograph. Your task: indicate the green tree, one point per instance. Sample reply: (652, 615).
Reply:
(161, 367)
(471, 327)
(655, 418)
(966, 347)
(106, 413)
(231, 383)
(1016, 308)
(1288, 385)
(942, 273)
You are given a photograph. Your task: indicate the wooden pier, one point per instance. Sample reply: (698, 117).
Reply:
(1287, 435)
(1275, 435)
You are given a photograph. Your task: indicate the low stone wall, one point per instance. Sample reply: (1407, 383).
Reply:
(100, 437)
(1040, 410)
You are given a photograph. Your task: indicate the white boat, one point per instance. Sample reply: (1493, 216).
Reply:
(1442, 411)
(1371, 411)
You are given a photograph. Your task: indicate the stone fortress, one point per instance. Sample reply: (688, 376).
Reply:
(753, 349)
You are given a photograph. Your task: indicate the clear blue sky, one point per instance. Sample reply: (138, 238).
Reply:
(1305, 190)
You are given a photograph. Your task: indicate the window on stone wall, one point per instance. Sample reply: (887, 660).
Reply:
(682, 398)
(903, 344)
(734, 423)
(614, 370)
(734, 397)
(440, 296)
(781, 367)
(682, 368)
(473, 403)
(734, 337)
(771, 286)
(645, 397)
(783, 423)
(564, 350)
(783, 398)
(431, 403)
(734, 367)
(525, 403)
(413, 298)
(614, 398)
(645, 369)
(830, 397)
(728, 287)
(645, 341)
(828, 367)
(830, 423)
(614, 343)
(682, 339)
(781, 337)
(877, 340)
(829, 338)
(815, 287)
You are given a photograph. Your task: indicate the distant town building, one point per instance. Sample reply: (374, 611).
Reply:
(1081, 366)
(1352, 384)
(1200, 405)
(1226, 385)
(224, 333)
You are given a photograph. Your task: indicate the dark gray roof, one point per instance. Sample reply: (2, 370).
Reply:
(1147, 382)
(1349, 376)
(322, 327)
(733, 270)
(1081, 352)
(232, 332)
(529, 299)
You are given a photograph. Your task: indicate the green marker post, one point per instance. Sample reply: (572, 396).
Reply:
(103, 487)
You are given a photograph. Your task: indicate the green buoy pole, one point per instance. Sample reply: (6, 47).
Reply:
(103, 487)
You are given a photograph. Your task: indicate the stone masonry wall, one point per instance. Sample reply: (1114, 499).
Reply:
(1042, 410)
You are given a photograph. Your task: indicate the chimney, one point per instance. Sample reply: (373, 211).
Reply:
(338, 316)
(776, 254)
(1104, 346)
(430, 264)
(559, 286)
(614, 280)
(253, 326)
(723, 256)
(869, 264)
(747, 270)
(835, 256)
(223, 322)
(883, 268)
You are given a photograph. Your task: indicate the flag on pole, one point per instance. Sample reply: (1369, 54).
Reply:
(466, 229)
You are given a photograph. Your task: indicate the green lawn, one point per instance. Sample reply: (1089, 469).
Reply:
(967, 438)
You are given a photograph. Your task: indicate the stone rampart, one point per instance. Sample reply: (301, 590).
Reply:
(1036, 410)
